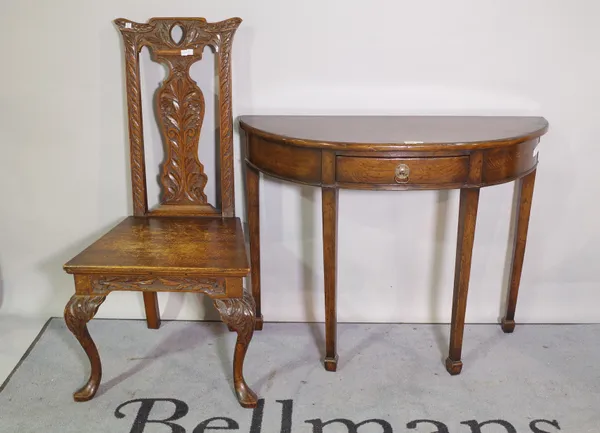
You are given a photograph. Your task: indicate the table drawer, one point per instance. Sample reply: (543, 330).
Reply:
(391, 171)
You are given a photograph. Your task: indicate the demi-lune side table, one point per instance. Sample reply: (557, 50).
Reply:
(395, 153)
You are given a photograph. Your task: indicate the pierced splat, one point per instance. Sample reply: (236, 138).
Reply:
(180, 111)
(180, 105)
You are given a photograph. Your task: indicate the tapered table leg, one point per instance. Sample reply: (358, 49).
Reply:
(525, 195)
(252, 197)
(330, 212)
(469, 200)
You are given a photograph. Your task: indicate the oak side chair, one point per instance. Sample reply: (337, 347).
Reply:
(184, 244)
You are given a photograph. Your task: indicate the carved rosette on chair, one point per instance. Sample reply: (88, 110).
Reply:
(185, 244)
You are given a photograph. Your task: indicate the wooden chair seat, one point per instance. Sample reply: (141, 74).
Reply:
(170, 246)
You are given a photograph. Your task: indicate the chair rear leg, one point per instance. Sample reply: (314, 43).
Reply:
(152, 311)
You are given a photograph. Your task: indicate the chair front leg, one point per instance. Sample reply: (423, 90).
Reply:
(239, 315)
(79, 310)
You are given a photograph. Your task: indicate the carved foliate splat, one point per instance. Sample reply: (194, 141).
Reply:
(180, 107)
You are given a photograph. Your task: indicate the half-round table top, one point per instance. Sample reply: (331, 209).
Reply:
(383, 133)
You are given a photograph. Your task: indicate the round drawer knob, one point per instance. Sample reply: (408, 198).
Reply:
(401, 173)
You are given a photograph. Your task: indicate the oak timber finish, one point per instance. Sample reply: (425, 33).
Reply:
(253, 194)
(279, 160)
(158, 245)
(393, 133)
(185, 244)
(396, 153)
(524, 197)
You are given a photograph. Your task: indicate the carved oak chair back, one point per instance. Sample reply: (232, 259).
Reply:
(180, 107)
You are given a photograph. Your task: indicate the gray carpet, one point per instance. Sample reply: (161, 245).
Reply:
(541, 379)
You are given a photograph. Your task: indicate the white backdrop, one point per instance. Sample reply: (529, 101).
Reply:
(64, 159)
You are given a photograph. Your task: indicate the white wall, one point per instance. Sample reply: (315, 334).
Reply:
(64, 171)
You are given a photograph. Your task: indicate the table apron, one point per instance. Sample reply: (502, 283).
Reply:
(400, 170)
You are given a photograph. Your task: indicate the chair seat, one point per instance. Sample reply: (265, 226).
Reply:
(167, 245)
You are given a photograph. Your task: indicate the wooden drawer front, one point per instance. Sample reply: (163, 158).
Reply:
(398, 171)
